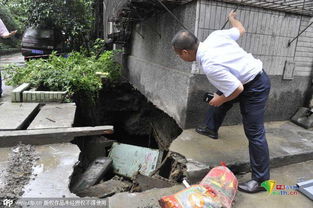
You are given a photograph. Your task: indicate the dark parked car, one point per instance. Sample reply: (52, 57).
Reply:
(37, 43)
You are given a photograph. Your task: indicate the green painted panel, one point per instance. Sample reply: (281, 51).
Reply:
(129, 159)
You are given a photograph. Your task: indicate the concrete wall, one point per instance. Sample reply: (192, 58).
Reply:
(153, 66)
(177, 87)
(267, 36)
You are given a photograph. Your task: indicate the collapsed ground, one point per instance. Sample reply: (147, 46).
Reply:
(136, 122)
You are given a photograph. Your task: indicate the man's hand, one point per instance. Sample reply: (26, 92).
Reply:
(9, 34)
(232, 17)
(217, 100)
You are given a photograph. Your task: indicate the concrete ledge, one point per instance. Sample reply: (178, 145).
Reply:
(17, 93)
(288, 144)
(43, 96)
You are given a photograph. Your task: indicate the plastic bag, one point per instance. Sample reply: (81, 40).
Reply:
(195, 196)
(223, 182)
(217, 189)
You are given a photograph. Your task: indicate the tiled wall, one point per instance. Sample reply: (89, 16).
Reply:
(267, 36)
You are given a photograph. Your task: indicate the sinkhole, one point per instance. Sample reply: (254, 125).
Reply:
(135, 157)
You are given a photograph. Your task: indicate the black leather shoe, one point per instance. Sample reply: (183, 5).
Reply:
(207, 132)
(251, 186)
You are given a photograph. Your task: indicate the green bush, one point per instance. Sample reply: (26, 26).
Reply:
(74, 74)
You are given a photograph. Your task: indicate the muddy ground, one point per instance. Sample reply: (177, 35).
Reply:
(18, 172)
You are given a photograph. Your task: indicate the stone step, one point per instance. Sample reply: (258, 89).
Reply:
(287, 142)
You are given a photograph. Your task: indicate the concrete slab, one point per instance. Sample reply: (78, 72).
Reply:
(54, 116)
(288, 176)
(147, 199)
(53, 171)
(14, 116)
(288, 144)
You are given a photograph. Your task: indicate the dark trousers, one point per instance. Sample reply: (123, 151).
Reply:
(252, 106)
(0, 84)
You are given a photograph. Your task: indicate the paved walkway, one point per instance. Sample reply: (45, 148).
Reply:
(287, 175)
(288, 144)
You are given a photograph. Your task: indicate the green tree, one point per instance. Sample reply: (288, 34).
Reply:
(74, 17)
(12, 24)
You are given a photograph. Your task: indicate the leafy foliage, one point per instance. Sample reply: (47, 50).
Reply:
(75, 74)
(74, 17)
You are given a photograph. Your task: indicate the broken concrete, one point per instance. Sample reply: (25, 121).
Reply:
(288, 144)
(146, 183)
(105, 189)
(52, 172)
(93, 174)
(287, 175)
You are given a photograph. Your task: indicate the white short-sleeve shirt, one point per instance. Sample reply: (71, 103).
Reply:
(225, 63)
(3, 29)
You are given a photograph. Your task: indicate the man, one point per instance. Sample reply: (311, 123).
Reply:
(239, 77)
(4, 33)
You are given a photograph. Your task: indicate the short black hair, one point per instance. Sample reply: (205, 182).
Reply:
(185, 40)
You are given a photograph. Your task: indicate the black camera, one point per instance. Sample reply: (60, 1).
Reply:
(208, 97)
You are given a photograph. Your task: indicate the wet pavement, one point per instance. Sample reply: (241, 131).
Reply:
(53, 171)
(44, 171)
(287, 175)
(288, 144)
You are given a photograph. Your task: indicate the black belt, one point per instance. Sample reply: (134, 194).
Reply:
(255, 78)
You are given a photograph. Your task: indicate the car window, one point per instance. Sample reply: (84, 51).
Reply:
(35, 33)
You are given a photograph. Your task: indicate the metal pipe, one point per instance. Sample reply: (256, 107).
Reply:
(173, 15)
(290, 41)
(228, 19)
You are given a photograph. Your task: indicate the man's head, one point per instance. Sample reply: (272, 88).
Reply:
(185, 45)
